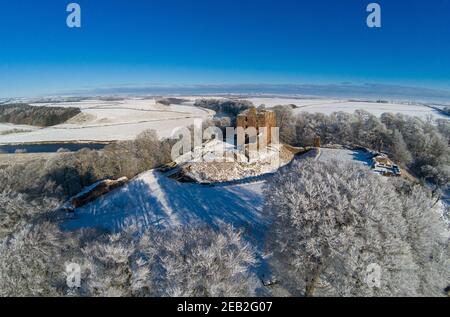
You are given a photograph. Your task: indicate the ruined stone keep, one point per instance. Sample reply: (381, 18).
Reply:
(259, 120)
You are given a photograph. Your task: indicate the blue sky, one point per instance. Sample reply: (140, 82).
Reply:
(176, 42)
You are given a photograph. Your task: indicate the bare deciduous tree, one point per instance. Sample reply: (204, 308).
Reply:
(332, 220)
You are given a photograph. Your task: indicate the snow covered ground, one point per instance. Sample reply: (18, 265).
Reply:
(218, 161)
(359, 157)
(328, 106)
(153, 199)
(113, 120)
(124, 119)
(5, 127)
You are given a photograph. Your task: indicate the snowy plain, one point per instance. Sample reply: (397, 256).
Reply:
(112, 120)
(328, 106)
(124, 119)
(4, 127)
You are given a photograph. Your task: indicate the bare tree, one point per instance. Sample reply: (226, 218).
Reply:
(399, 150)
(428, 237)
(331, 222)
(31, 262)
(203, 262)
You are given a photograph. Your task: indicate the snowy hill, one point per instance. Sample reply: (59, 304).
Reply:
(153, 199)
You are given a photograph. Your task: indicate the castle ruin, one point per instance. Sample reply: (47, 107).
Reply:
(262, 120)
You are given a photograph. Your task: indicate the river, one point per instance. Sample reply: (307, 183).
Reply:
(49, 147)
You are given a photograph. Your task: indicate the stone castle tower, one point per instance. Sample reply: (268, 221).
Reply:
(253, 118)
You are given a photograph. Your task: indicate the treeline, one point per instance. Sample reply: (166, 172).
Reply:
(67, 174)
(40, 116)
(226, 107)
(190, 262)
(422, 146)
(171, 101)
(446, 111)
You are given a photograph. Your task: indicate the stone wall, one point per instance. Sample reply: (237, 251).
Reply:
(262, 121)
(100, 189)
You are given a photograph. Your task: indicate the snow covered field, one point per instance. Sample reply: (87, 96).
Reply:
(155, 200)
(124, 119)
(328, 106)
(113, 120)
(5, 127)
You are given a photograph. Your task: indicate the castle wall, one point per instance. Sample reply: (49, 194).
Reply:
(258, 120)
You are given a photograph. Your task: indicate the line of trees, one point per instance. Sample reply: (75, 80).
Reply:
(422, 146)
(447, 111)
(171, 101)
(226, 107)
(41, 116)
(193, 262)
(30, 189)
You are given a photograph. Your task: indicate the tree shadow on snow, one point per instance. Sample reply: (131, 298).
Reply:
(162, 202)
(362, 157)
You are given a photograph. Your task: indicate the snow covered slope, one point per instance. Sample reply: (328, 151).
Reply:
(328, 106)
(153, 199)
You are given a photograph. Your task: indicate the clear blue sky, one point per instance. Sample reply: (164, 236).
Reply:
(140, 42)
